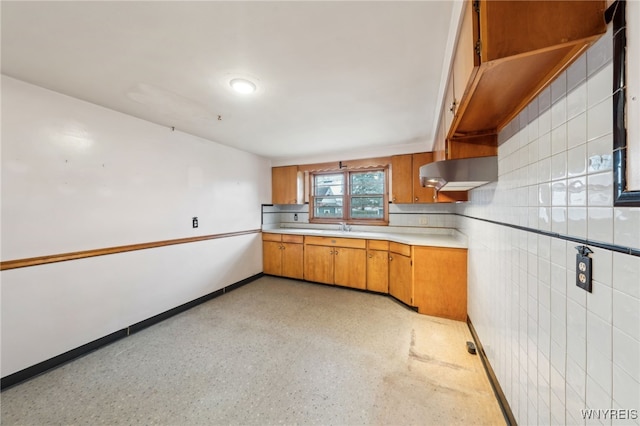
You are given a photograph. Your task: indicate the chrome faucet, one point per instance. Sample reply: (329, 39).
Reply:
(344, 227)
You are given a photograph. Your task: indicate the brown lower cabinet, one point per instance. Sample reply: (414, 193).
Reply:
(400, 272)
(340, 261)
(378, 266)
(282, 255)
(431, 279)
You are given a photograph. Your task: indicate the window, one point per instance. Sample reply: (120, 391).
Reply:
(350, 196)
(626, 130)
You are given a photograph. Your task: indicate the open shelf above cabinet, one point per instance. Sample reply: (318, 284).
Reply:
(507, 52)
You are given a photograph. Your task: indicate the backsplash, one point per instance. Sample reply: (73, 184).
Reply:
(410, 215)
(555, 348)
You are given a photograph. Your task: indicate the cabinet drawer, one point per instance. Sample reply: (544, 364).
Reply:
(271, 237)
(288, 238)
(335, 242)
(378, 245)
(402, 249)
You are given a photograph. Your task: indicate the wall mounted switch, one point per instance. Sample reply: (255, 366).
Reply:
(295, 217)
(583, 268)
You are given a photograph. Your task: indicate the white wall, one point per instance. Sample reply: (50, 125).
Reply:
(555, 348)
(76, 176)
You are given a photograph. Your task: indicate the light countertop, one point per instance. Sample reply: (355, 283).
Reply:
(435, 237)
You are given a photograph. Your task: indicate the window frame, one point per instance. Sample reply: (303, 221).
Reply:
(623, 195)
(346, 205)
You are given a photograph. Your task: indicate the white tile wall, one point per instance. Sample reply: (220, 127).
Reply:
(555, 348)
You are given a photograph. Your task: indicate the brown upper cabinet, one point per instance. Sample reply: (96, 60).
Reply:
(286, 185)
(405, 181)
(507, 52)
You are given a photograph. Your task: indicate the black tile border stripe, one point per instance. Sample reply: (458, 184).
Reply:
(495, 384)
(59, 360)
(606, 246)
(423, 214)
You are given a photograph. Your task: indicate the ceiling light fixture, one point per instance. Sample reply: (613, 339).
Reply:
(243, 86)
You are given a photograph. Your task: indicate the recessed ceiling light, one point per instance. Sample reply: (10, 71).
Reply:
(243, 86)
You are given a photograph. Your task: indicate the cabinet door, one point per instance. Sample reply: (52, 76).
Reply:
(378, 271)
(465, 57)
(420, 194)
(400, 279)
(350, 267)
(401, 181)
(272, 257)
(285, 185)
(318, 264)
(440, 287)
(292, 260)
(448, 111)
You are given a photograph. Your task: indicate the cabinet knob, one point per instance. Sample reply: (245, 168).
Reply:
(336, 252)
(370, 256)
(416, 198)
(390, 258)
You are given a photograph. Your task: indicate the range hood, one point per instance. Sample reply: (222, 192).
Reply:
(459, 175)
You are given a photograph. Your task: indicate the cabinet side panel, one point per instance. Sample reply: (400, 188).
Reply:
(440, 282)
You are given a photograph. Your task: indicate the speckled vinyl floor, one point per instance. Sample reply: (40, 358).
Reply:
(275, 351)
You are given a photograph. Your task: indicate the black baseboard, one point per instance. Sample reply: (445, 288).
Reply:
(497, 389)
(59, 360)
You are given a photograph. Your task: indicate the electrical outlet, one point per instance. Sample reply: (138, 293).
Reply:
(194, 222)
(583, 268)
(423, 221)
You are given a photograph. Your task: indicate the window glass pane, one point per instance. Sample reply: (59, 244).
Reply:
(328, 207)
(367, 183)
(330, 184)
(328, 191)
(367, 207)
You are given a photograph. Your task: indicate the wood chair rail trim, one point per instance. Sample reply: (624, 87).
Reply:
(62, 257)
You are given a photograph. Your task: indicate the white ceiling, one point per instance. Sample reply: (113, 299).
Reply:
(333, 77)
